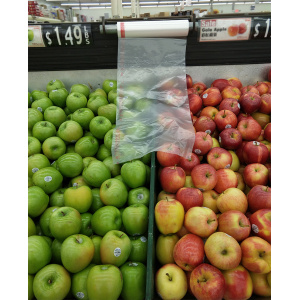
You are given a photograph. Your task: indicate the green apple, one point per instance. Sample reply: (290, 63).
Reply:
(87, 133)
(80, 88)
(78, 181)
(139, 249)
(30, 287)
(36, 95)
(54, 85)
(115, 169)
(108, 111)
(86, 160)
(48, 240)
(39, 253)
(96, 239)
(45, 220)
(78, 286)
(55, 115)
(100, 92)
(140, 195)
(135, 219)
(75, 101)
(34, 116)
(136, 91)
(70, 164)
(86, 225)
(108, 85)
(54, 147)
(77, 252)
(59, 97)
(34, 146)
(104, 282)
(125, 102)
(69, 117)
(42, 104)
(113, 192)
(49, 179)
(108, 138)
(57, 198)
(99, 126)
(105, 219)
(79, 197)
(103, 151)
(115, 248)
(37, 201)
(29, 132)
(137, 130)
(43, 130)
(119, 177)
(56, 252)
(96, 203)
(143, 104)
(70, 148)
(83, 116)
(52, 282)
(128, 114)
(146, 159)
(64, 222)
(96, 173)
(30, 35)
(125, 152)
(112, 96)
(134, 173)
(70, 131)
(31, 227)
(87, 146)
(134, 280)
(36, 162)
(95, 102)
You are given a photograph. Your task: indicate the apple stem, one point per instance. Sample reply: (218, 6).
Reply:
(170, 278)
(121, 234)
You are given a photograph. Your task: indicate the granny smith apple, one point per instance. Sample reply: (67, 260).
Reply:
(113, 192)
(64, 222)
(95, 102)
(115, 248)
(96, 173)
(105, 219)
(66, 110)
(36, 162)
(137, 130)
(29, 99)
(136, 91)
(87, 133)
(78, 181)
(36, 95)
(108, 85)
(37, 201)
(42, 104)
(108, 111)
(76, 101)
(77, 252)
(79, 197)
(52, 282)
(125, 102)
(112, 96)
(69, 117)
(34, 146)
(139, 195)
(54, 85)
(125, 151)
(59, 97)
(70, 164)
(56, 252)
(57, 198)
(96, 203)
(104, 282)
(143, 104)
(34, 116)
(98, 92)
(45, 220)
(86, 160)
(87, 146)
(31, 227)
(103, 151)
(43, 130)
(96, 239)
(86, 225)
(70, 131)
(80, 88)
(54, 147)
(83, 116)
(134, 280)
(70, 148)
(78, 286)
(30, 35)
(115, 169)
(108, 138)
(119, 177)
(135, 219)
(128, 114)
(139, 248)
(146, 159)
(30, 287)
(48, 240)
(134, 173)
(55, 115)
(39, 253)
(49, 179)
(99, 126)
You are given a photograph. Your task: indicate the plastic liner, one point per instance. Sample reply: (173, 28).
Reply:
(153, 110)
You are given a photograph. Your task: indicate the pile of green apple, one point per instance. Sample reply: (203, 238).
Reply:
(87, 217)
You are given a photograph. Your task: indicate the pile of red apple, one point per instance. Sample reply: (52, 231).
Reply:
(214, 209)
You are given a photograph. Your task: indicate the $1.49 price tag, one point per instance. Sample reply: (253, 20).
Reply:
(66, 35)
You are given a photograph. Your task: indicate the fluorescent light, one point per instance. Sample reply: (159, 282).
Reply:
(149, 3)
(78, 7)
(68, 4)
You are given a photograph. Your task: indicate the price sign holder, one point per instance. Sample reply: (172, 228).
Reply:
(67, 35)
(261, 28)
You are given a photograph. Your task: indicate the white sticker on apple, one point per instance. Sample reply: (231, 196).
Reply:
(34, 170)
(40, 109)
(54, 91)
(255, 143)
(80, 295)
(227, 166)
(117, 252)
(197, 151)
(208, 131)
(205, 96)
(48, 178)
(238, 105)
(220, 139)
(54, 209)
(75, 184)
(143, 239)
(104, 268)
(111, 84)
(228, 126)
(255, 228)
(140, 196)
(133, 264)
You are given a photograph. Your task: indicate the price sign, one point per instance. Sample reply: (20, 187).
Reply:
(66, 35)
(261, 28)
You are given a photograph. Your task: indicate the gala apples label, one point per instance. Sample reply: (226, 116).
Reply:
(218, 30)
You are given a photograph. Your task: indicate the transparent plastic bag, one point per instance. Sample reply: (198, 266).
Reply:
(153, 110)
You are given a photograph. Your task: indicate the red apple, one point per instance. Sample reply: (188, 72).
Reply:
(249, 88)
(255, 152)
(203, 143)
(262, 119)
(255, 174)
(249, 129)
(268, 166)
(239, 152)
(225, 119)
(241, 184)
(192, 91)
(209, 111)
(231, 92)
(166, 155)
(230, 139)
(205, 124)
(204, 177)
(267, 132)
(250, 102)
(226, 179)
(261, 224)
(219, 158)
(210, 200)
(189, 81)
(261, 136)
(241, 116)
(195, 103)
(233, 30)
(230, 104)
(211, 97)
(175, 97)
(262, 87)
(187, 164)
(220, 84)
(200, 87)
(265, 106)
(207, 283)
(172, 179)
(163, 195)
(189, 197)
(259, 197)
(188, 252)
(235, 82)
(242, 28)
